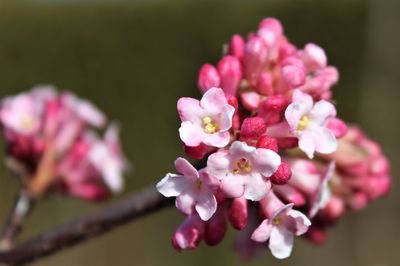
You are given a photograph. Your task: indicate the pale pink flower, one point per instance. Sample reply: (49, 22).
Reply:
(206, 121)
(21, 113)
(244, 170)
(194, 190)
(108, 160)
(280, 229)
(307, 121)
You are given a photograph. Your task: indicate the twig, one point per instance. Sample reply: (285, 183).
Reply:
(89, 226)
(21, 208)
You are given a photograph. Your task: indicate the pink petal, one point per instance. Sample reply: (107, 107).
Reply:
(325, 140)
(206, 205)
(185, 203)
(172, 185)
(225, 121)
(219, 139)
(302, 223)
(262, 232)
(281, 242)
(192, 135)
(321, 111)
(256, 187)
(233, 186)
(189, 110)
(218, 164)
(185, 168)
(307, 144)
(214, 101)
(266, 161)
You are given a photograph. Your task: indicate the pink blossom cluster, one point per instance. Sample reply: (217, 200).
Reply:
(52, 145)
(279, 163)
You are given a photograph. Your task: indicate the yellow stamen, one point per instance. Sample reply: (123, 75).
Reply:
(303, 123)
(198, 184)
(209, 126)
(243, 166)
(27, 123)
(276, 221)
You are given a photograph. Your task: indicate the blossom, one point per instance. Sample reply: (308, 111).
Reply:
(307, 122)
(206, 121)
(244, 170)
(280, 228)
(194, 190)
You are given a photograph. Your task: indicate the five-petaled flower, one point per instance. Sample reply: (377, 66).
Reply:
(244, 170)
(206, 121)
(194, 190)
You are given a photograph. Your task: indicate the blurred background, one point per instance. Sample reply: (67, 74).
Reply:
(134, 59)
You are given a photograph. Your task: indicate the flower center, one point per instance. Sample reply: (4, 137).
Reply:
(303, 123)
(243, 166)
(198, 184)
(27, 122)
(276, 220)
(209, 125)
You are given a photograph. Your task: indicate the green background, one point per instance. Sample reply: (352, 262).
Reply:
(134, 59)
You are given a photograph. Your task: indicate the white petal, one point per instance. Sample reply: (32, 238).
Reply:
(206, 205)
(172, 185)
(192, 135)
(281, 242)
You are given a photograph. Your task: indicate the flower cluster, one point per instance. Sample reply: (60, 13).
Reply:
(279, 163)
(51, 144)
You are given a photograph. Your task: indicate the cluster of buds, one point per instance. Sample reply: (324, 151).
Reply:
(279, 163)
(52, 145)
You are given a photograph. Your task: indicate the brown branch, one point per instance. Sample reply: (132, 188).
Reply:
(89, 226)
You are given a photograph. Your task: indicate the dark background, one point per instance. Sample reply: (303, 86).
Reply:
(134, 59)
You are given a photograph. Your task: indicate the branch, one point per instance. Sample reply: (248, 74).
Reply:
(89, 226)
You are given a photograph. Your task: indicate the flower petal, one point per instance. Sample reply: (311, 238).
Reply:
(301, 222)
(256, 187)
(206, 205)
(214, 101)
(172, 185)
(192, 135)
(281, 242)
(321, 111)
(233, 186)
(266, 161)
(185, 203)
(225, 121)
(185, 168)
(262, 232)
(218, 164)
(219, 139)
(189, 109)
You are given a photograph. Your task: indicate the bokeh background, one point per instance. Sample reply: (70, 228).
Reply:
(134, 59)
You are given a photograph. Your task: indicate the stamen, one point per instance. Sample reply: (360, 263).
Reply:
(303, 123)
(209, 126)
(276, 220)
(198, 184)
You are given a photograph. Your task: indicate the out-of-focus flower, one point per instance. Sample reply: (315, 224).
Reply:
(50, 144)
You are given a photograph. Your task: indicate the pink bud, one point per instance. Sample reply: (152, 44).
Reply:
(314, 57)
(236, 47)
(282, 175)
(266, 142)
(230, 71)
(334, 209)
(286, 49)
(91, 192)
(197, 152)
(208, 78)
(358, 201)
(232, 100)
(189, 234)
(290, 195)
(264, 84)
(238, 213)
(255, 55)
(337, 126)
(380, 166)
(293, 75)
(275, 103)
(270, 30)
(287, 143)
(250, 100)
(272, 24)
(216, 228)
(316, 235)
(378, 186)
(252, 128)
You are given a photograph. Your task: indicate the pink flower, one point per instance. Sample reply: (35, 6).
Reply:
(194, 190)
(21, 114)
(280, 228)
(108, 160)
(207, 121)
(307, 121)
(244, 170)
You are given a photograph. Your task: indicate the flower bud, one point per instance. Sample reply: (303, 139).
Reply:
(250, 100)
(216, 228)
(208, 78)
(282, 175)
(255, 55)
(238, 213)
(252, 128)
(290, 195)
(264, 84)
(197, 152)
(266, 142)
(230, 72)
(236, 47)
(294, 75)
(316, 235)
(337, 126)
(314, 57)
(189, 234)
